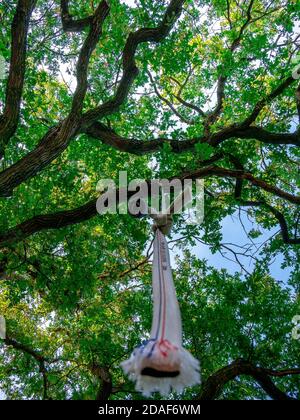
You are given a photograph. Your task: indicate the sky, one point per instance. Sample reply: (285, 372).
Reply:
(233, 232)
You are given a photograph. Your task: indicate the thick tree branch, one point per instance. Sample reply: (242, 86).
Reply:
(298, 102)
(69, 24)
(88, 47)
(39, 358)
(255, 133)
(104, 376)
(25, 349)
(262, 203)
(69, 217)
(268, 99)
(215, 383)
(139, 147)
(58, 138)
(240, 174)
(14, 89)
(278, 215)
(50, 221)
(130, 69)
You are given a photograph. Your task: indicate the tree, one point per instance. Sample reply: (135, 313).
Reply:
(200, 89)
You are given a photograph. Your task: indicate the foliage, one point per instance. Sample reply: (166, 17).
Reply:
(77, 296)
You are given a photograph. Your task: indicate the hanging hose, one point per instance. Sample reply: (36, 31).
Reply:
(161, 363)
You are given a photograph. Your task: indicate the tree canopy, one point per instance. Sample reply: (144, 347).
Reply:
(205, 89)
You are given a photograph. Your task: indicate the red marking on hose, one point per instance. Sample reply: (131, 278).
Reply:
(164, 294)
